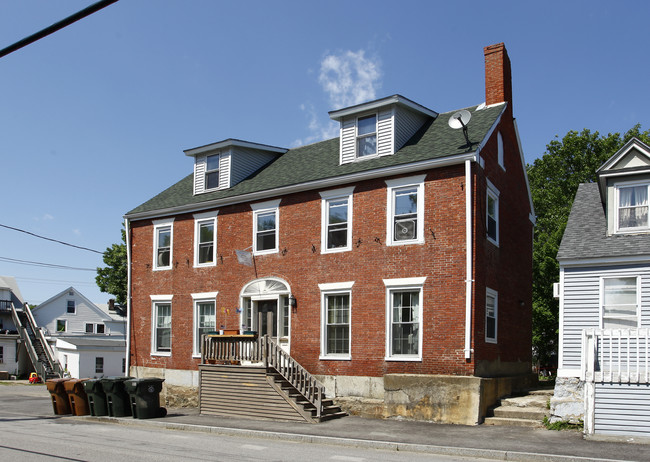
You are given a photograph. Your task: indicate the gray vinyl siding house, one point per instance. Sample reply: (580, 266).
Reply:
(604, 294)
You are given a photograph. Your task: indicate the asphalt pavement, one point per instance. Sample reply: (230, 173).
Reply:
(482, 441)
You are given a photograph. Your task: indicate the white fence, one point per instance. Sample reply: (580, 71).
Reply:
(616, 355)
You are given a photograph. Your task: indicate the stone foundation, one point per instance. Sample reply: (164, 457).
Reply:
(439, 398)
(567, 403)
(180, 389)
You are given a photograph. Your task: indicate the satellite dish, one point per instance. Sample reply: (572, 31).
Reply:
(460, 119)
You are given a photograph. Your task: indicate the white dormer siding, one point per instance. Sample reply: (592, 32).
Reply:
(200, 169)
(624, 182)
(398, 119)
(407, 124)
(237, 161)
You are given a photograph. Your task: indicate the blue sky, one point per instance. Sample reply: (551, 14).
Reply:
(94, 118)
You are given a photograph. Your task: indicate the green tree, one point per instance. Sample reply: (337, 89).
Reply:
(554, 180)
(113, 278)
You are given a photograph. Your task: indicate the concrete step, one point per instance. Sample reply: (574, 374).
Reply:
(512, 422)
(526, 401)
(530, 413)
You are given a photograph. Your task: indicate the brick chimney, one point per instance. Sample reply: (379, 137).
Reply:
(498, 79)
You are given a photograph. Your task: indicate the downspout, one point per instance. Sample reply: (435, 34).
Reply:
(468, 259)
(128, 298)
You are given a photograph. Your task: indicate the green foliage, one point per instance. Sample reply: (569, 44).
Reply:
(113, 278)
(562, 425)
(554, 180)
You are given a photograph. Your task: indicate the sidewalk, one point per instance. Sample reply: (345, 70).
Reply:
(490, 442)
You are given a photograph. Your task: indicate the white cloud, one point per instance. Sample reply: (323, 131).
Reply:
(76, 232)
(45, 217)
(350, 78)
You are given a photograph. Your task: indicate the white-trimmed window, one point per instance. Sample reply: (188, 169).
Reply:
(61, 325)
(161, 325)
(95, 328)
(404, 319)
(163, 237)
(405, 223)
(205, 239)
(620, 302)
(266, 226)
(71, 308)
(632, 207)
(212, 171)
(492, 214)
(99, 365)
(491, 315)
(367, 136)
(336, 213)
(335, 320)
(205, 317)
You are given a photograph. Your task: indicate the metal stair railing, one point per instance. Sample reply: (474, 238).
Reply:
(39, 367)
(45, 365)
(49, 353)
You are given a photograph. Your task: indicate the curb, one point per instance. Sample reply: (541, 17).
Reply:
(493, 454)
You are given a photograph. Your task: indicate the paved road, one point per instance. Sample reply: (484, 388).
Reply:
(30, 432)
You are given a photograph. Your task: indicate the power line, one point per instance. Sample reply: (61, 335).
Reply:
(50, 239)
(56, 26)
(44, 265)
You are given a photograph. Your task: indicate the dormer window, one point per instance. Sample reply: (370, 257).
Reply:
(367, 136)
(378, 128)
(632, 213)
(212, 172)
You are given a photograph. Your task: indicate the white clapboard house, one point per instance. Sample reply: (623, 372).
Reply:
(604, 293)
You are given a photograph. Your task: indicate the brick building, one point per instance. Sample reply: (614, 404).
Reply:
(396, 256)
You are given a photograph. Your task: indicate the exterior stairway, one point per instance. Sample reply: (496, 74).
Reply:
(257, 392)
(43, 360)
(521, 411)
(329, 409)
(246, 375)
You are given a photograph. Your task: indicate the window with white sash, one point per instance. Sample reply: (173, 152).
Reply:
(620, 302)
(632, 207)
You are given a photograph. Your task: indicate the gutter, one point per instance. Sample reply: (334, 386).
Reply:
(468, 259)
(128, 298)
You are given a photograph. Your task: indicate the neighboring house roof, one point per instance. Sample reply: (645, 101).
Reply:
(111, 314)
(316, 165)
(585, 236)
(90, 304)
(90, 342)
(9, 282)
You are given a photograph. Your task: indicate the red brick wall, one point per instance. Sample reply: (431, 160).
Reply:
(506, 268)
(441, 259)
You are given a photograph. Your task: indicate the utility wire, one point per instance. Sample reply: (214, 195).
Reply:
(50, 239)
(55, 27)
(44, 265)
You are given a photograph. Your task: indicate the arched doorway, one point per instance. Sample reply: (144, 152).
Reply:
(265, 309)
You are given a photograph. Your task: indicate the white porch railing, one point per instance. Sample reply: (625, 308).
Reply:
(616, 355)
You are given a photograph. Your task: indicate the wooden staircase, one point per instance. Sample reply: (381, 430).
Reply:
(273, 385)
(256, 392)
(528, 410)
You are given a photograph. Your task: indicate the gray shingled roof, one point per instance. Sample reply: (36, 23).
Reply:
(320, 161)
(585, 236)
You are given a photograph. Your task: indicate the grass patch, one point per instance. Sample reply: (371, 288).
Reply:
(562, 425)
